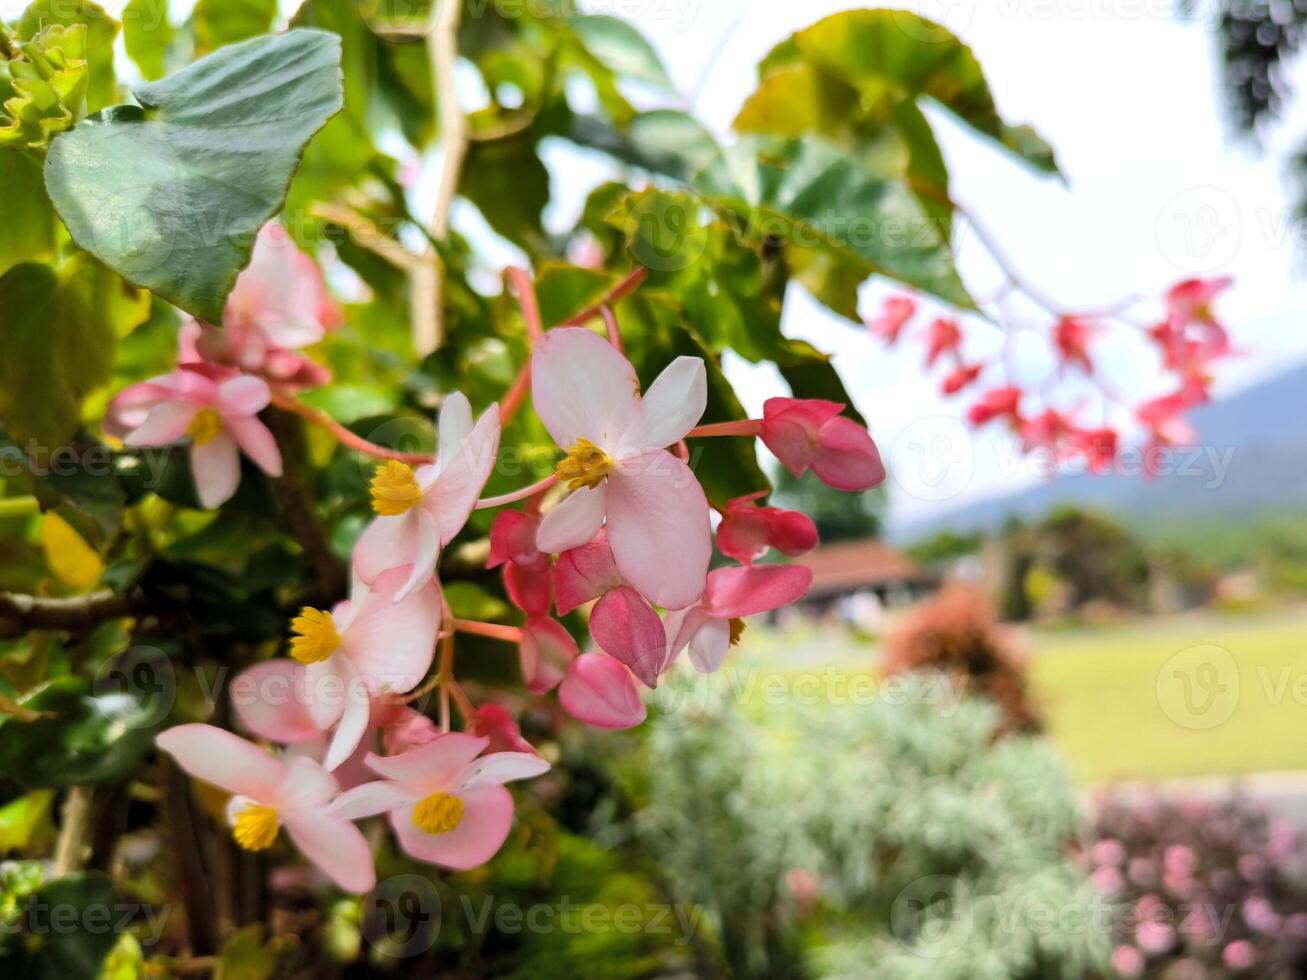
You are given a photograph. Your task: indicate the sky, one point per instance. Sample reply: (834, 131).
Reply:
(1158, 191)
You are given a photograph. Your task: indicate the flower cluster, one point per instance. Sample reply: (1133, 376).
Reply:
(1203, 889)
(1188, 339)
(622, 529)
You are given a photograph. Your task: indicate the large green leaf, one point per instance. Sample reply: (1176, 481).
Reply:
(815, 195)
(887, 55)
(172, 194)
(59, 340)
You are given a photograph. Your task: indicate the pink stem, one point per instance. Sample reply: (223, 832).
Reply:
(610, 324)
(511, 498)
(749, 427)
(520, 280)
(618, 293)
(344, 435)
(509, 634)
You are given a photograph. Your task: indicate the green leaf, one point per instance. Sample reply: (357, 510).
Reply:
(622, 48)
(147, 32)
(101, 30)
(24, 818)
(27, 230)
(87, 900)
(222, 22)
(199, 169)
(565, 290)
(813, 194)
(83, 739)
(663, 141)
(247, 955)
(59, 341)
(78, 482)
(507, 182)
(887, 55)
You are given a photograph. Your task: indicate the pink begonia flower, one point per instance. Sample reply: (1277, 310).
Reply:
(273, 701)
(1046, 430)
(280, 303)
(528, 571)
(1128, 961)
(944, 336)
(716, 622)
(1099, 447)
(622, 622)
(962, 376)
(270, 793)
(617, 466)
(1190, 301)
(446, 806)
(812, 434)
(495, 722)
(748, 531)
(1004, 402)
(367, 647)
(601, 691)
(585, 573)
(1161, 416)
(546, 650)
(419, 512)
(217, 410)
(1071, 337)
(893, 317)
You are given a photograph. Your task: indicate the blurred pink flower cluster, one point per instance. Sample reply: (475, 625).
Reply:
(1201, 889)
(1189, 339)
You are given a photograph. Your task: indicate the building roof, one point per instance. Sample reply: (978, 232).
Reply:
(852, 565)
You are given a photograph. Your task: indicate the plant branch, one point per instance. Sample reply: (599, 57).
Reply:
(367, 235)
(21, 613)
(427, 282)
(192, 878)
(296, 498)
(70, 848)
(19, 507)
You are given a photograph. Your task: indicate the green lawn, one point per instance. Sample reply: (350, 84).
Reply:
(1212, 696)
(1205, 696)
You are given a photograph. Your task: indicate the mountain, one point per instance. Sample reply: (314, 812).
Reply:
(1251, 459)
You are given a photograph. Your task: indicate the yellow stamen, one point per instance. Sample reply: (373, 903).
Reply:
(439, 813)
(205, 427)
(317, 639)
(586, 465)
(737, 630)
(255, 828)
(394, 489)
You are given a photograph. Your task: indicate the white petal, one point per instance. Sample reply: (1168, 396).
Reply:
(672, 406)
(575, 521)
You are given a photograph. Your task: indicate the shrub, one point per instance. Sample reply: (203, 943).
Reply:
(957, 633)
(821, 838)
